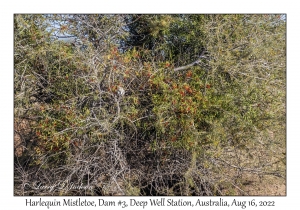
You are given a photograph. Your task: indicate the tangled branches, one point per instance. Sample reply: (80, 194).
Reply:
(101, 118)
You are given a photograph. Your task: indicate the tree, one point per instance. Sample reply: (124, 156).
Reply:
(202, 95)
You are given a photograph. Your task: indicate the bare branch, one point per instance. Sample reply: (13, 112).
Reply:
(195, 63)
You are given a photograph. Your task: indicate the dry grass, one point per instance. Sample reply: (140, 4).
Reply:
(265, 186)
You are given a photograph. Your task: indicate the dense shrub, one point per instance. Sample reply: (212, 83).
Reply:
(186, 125)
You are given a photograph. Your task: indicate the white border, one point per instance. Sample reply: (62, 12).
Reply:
(8, 8)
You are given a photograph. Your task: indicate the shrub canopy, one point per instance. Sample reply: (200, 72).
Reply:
(204, 102)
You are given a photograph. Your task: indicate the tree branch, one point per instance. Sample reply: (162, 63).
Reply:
(195, 63)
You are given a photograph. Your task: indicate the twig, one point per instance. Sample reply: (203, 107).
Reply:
(195, 63)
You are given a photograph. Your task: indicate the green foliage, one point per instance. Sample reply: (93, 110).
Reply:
(229, 101)
(175, 38)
